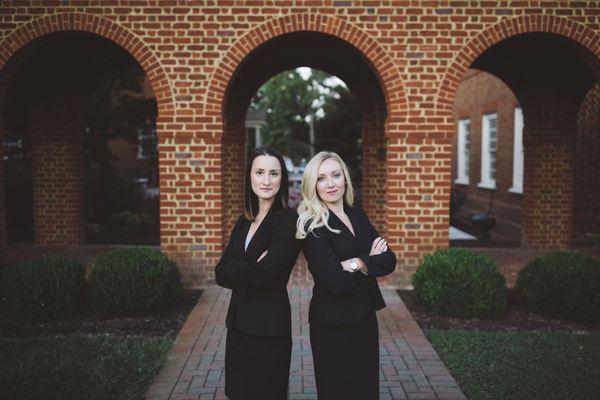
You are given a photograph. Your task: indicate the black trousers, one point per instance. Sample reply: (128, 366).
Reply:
(257, 367)
(346, 360)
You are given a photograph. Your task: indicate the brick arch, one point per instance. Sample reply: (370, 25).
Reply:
(380, 61)
(548, 131)
(391, 102)
(110, 30)
(503, 30)
(12, 52)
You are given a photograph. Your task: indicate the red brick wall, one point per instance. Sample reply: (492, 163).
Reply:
(419, 52)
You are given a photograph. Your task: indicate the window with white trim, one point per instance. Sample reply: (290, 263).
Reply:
(462, 159)
(518, 153)
(489, 147)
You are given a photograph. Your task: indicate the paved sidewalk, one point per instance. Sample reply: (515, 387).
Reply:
(409, 367)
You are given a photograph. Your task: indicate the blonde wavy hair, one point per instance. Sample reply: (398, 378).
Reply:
(312, 212)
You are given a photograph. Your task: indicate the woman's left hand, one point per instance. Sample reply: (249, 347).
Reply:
(346, 265)
(379, 246)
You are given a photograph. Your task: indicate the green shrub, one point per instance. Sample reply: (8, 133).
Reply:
(459, 283)
(133, 281)
(42, 289)
(562, 284)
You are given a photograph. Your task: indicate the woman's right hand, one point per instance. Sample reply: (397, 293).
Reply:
(379, 246)
(263, 255)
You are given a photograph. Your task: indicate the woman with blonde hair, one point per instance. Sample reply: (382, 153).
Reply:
(345, 255)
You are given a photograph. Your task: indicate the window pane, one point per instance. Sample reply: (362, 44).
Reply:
(493, 145)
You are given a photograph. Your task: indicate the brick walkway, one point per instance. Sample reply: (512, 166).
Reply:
(409, 367)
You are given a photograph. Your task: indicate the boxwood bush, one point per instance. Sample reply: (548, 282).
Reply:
(133, 281)
(459, 283)
(562, 284)
(42, 289)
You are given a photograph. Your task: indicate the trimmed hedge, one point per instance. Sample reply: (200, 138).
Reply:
(459, 283)
(562, 284)
(42, 289)
(133, 281)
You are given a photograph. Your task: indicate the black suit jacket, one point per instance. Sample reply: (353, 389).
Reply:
(259, 302)
(340, 297)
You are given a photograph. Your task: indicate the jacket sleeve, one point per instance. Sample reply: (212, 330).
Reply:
(381, 264)
(230, 272)
(327, 269)
(281, 256)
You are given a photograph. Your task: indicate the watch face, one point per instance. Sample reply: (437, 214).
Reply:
(354, 266)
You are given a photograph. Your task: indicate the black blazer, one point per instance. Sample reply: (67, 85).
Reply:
(340, 297)
(259, 302)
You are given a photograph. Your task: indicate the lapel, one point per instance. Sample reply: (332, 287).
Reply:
(337, 223)
(261, 228)
(362, 237)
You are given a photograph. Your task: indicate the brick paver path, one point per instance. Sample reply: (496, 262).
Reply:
(409, 367)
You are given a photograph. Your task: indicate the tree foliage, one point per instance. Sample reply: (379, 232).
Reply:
(289, 99)
(340, 130)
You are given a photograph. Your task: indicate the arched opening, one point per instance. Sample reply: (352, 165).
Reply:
(487, 163)
(85, 112)
(550, 75)
(319, 51)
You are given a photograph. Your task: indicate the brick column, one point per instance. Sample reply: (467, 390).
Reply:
(3, 233)
(234, 163)
(417, 200)
(5, 75)
(58, 171)
(587, 167)
(190, 199)
(547, 212)
(549, 139)
(373, 169)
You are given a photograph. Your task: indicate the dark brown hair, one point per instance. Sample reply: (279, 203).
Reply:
(280, 203)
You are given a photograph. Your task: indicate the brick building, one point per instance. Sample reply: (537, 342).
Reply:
(484, 101)
(403, 60)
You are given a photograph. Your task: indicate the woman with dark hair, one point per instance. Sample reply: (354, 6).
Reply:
(256, 265)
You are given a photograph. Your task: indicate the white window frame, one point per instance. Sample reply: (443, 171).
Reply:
(486, 152)
(518, 153)
(462, 151)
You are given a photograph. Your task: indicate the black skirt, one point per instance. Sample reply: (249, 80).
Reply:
(346, 360)
(257, 367)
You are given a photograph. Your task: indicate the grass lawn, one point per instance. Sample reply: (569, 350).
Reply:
(523, 365)
(80, 366)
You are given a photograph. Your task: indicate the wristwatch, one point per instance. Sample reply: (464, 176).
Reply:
(354, 265)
